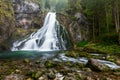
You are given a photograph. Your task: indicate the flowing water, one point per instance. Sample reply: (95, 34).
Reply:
(50, 37)
(84, 60)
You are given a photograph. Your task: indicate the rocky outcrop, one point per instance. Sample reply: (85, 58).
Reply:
(7, 21)
(76, 26)
(26, 13)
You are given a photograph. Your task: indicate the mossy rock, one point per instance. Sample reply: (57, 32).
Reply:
(50, 64)
(87, 69)
(4, 46)
(7, 20)
(71, 54)
(111, 58)
(21, 33)
(78, 65)
(97, 66)
(112, 49)
(76, 54)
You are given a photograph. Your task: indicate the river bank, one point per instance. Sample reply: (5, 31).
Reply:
(58, 67)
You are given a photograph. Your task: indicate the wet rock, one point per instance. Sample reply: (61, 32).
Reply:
(59, 77)
(41, 78)
(31, 74)
(35, 74)
(89, 78)
(109, 78)
(29, 79)
(50, 64)
(14, 77)
(38, 61)
(80, 76)
(26, 60)
(116, 70)
(117, 73)
(97, 66)
(17, 71)
(44, 77)
(87, 69)
(78, 65)
(118, 61)
(64, 72)
(51, 76)
(69, 78)
(111, 58)
(38, 74)
(74, 76)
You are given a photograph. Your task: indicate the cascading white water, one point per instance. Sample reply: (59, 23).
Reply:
(50, 37)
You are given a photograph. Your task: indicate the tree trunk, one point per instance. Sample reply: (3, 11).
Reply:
(116, 15)
(119, 36)
(118, 19)
(93, 29)
(107, 22)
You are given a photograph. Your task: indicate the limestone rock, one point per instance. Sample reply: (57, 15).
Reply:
(76, 25)
(26, 13)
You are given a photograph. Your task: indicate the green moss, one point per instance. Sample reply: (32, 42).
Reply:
(71, 54)
(7, 22)
(76, 54)
(101, 48)
(80, 76)
(21, 33)
(38, 74)
(82, 43)
(31, 74)
(49, 64)
(78, 65)
(111, 58)
(74, 18)
(6, 11)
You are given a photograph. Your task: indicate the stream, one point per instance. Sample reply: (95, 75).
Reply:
(58, 56)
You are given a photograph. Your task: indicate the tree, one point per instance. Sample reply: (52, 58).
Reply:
(103, 17)
(116, 7)
(74, 6)
(47, 4)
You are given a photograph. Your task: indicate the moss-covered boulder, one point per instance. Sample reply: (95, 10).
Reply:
(7, 20)
(95, 65)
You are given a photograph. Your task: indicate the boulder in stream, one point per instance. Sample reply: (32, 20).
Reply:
(95, 65)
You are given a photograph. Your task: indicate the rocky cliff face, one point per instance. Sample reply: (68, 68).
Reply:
(26, 13)
(7, 20)
(76, 26)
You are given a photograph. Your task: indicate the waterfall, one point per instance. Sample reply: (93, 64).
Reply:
(50, 37)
